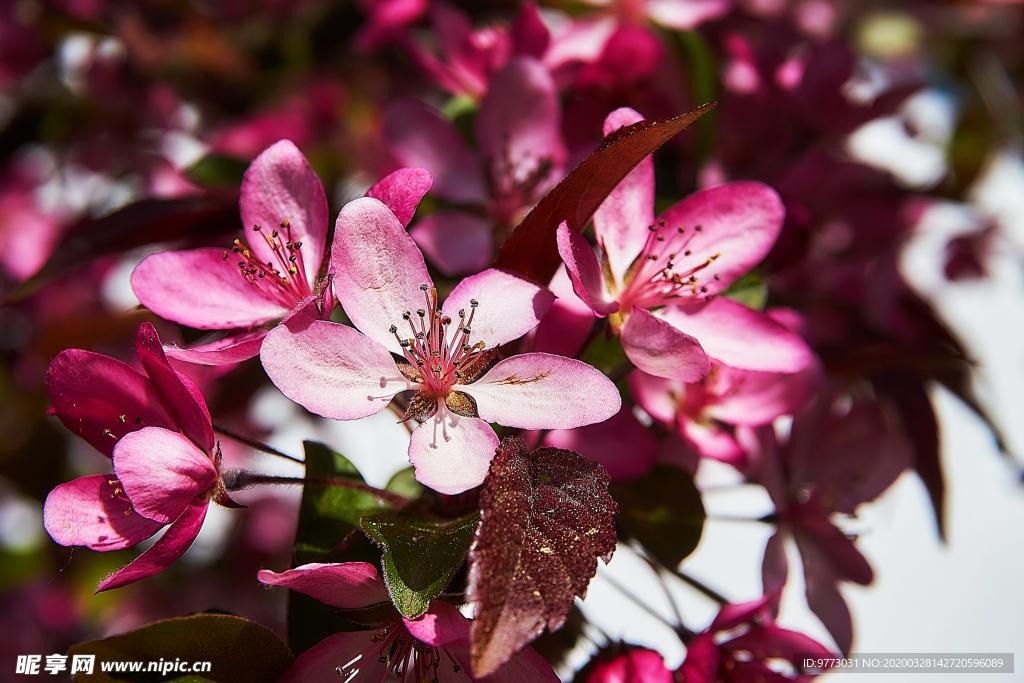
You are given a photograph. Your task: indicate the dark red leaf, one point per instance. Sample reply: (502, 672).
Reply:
(546, 517)
(531, 250)
(146, 221)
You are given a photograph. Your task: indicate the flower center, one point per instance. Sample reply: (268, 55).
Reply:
(442, 363)
(660, 276)
(409, 659)
(283, 276)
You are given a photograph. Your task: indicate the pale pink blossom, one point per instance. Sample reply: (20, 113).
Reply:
(681, 15)
(446, 353)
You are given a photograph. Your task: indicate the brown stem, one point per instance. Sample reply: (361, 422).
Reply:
(253, 443)
(236, 480)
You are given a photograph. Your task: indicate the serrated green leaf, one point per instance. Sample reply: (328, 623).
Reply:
(404, 484)
(750, 290)
(420, 555)
(327, 531)
(239, 651)
(663, 511)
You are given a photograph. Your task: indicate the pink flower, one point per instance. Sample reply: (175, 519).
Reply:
(681, 15)
(680, 261)
(521, 156)
(837, 456)
(273, 277)
(434, 647)
(636, 666)
(157, 430)
(736, 646)
(447, 352)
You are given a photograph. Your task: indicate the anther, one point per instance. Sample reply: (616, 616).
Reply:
(393, 329)
(122, 418)
(474, 303)
(698, 228)
(424, 288)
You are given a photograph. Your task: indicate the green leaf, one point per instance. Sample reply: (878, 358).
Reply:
(605, 354)
(663, 511)
(750, 290)
(420, 555)
(217, 170)
(404, 484)
(239, 651)
(328, 531)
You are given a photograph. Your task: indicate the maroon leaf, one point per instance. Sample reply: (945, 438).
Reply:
(531, 250)
(146, 221)
(546, 517)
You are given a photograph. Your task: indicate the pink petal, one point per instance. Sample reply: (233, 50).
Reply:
(741, 337)
(518, 125)
(231, 349)
(541, 391)
(201, 289)
(757, 398)
(161, 472)
(659, 349)
(712, 441)
(179, 393)
(418, 136)
(318, 664)
(739, 223)
(162, 554)
(279, 185)
(702, 658)
(823, 596)
(452, 454)
(87, 512)
(584, 270)
(525, 665)
(442, 626)
(455, 242)
(684, 15)
(90, 392)
(509, 306)
(621, 444)
(332, 370)
(775, 566)
(622, 219)
(402, 191)
(636, 666)
(349, 585)
(734, 614)
(528, 33)
(831, 550)
(564, 328)
(378, 269)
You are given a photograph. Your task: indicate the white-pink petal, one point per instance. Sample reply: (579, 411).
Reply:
(584, 270)
(331, 369)
(455, 242)
(378, 269)
(541, 391)
(452, 454)
(401, 191)
(509, 306)
(226, 351)
(659, 349)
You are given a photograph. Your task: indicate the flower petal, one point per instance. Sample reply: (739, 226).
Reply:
(349, 585)
(622, 219)
(702, 659)
(201, 289)
(509, 306)
(162, 554)
(353, 651)
(161, 472)
(231, 349)
(775, 566)
(454, 241)
(564, 328)
(279, 185)
(518, 126)
(684, 15)
(584, 270)
(739, 223)
(659, 349)
(452, 454)
(378, 269)
(741, 337)
(401, 191)
(442, 626)
(525, 665)
(757, 398)
(87, 512)
(541, 391)
(90, 392)
(622, 445)
(178, 393)
(332, 370)
(418, 136)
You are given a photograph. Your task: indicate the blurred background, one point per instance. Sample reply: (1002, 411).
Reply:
(892, 130)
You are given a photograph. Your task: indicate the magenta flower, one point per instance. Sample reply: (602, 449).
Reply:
(635, 666)
(679, 262)
(447, 351)
(434, 647)
(836, 457)
(156, 429)
(681, 15)
(272, 276)
(521, 157)
(737, 645)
